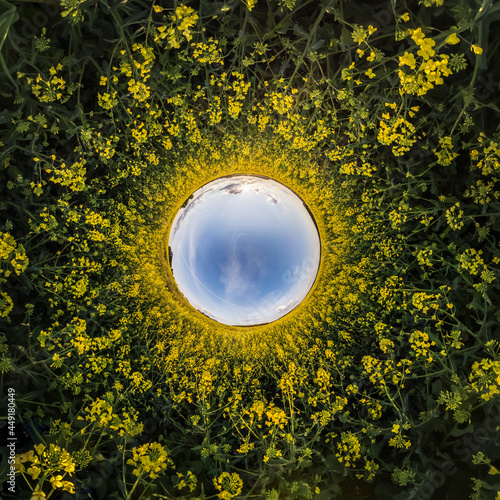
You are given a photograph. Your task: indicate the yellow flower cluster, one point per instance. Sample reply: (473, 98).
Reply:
(431, 3)
(424, 258)
(12, 253)
(101, 412)
(348, 449)
(188, 480)
(12, 258)
(373, 367)
(397, 132)
(52, 87)
(360, 34)
(281, 102)
(485, 378)
(107, 100)
(139, 90)
(72, 176)
(421, 345)
(424, 302)
(239, 90)
(424, 43)
(208, 53)
(229, 484)
(471, 261)
(48, 463)
(484, 192)
(276, 417)
(454, 217)
(445, 154)
(182, 22)
(486, 159)
(271, 453)
(371, 468)
(6, 304)
(150, 459)
(398, 440)
(430, 71)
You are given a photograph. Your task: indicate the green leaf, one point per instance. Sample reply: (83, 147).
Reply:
(8, 17)
(317, 45)
(346, 37)
(460, 432)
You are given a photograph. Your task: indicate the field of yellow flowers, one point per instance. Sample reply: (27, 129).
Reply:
(383, 116)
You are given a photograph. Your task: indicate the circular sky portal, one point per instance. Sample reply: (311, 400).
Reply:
(244, 250)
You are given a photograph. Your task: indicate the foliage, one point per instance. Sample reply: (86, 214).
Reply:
(383, 117)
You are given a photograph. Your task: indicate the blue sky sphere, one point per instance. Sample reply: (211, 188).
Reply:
(244, 250)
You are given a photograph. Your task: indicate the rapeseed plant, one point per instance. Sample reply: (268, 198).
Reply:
(398, 328)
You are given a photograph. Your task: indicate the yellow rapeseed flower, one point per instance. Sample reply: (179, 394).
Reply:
(408, 60)
(370, 73)
(426, 50)
(38, 495)
(56, 481)
(417, 36)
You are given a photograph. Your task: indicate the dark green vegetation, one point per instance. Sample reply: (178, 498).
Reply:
(383, 116)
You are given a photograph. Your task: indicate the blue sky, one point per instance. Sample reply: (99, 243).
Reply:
(245, 250)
